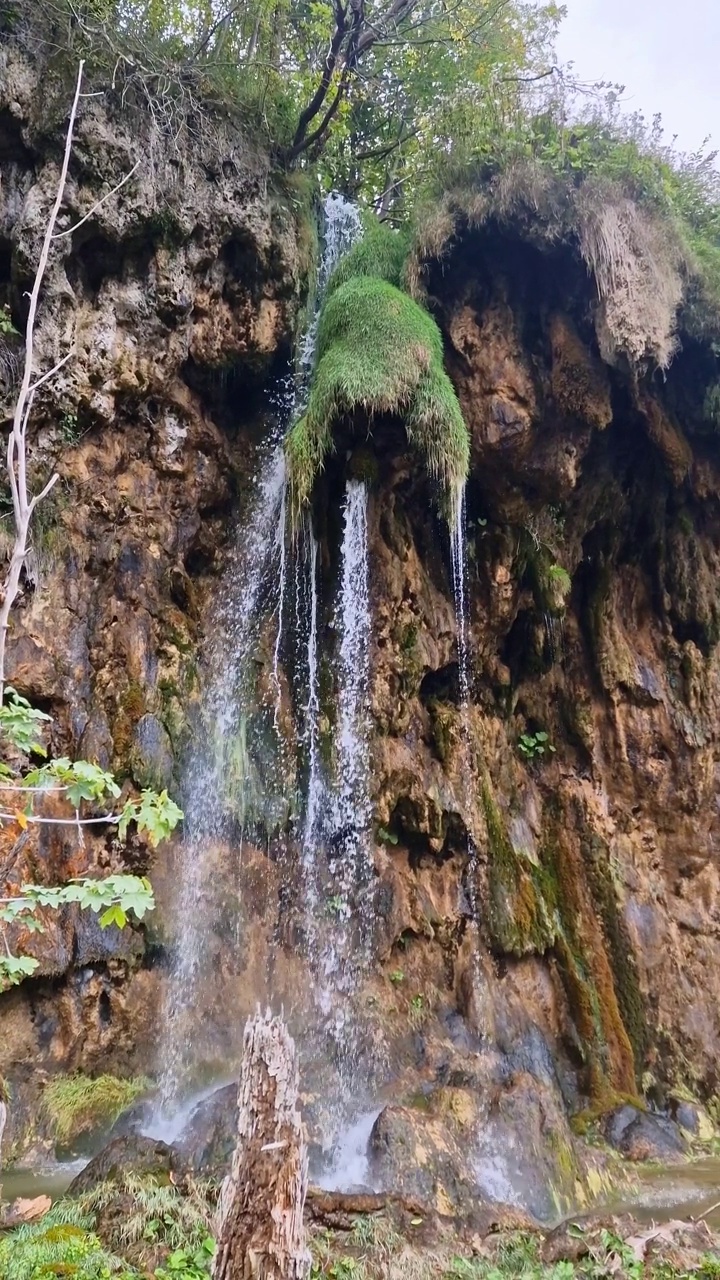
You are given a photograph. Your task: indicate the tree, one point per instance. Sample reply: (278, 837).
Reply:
(367, 91)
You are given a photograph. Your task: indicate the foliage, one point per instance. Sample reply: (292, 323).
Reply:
(7, 328)
(379, 351)
(368, 89)
(534, 745)
(61, 1244)
(115, 897)
(644, 218)
(20, 724)
(188, 1264)
(155, 1214)
(80, 1104)
(65, 1242)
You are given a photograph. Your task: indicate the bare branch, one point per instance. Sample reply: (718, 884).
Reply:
(17, 452)
(98, 204)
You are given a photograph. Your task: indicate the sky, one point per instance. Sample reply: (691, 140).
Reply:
(667, 54)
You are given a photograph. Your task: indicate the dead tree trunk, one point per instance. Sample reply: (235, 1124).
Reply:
(260, 1231)
(3, 1118)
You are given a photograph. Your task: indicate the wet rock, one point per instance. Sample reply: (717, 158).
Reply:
(208, 1140)
(640, 1135)
(128, 1153)
(417, 1156)
(151, 755)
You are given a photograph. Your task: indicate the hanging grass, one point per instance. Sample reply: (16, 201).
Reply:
(382, 253)
(378, 351)
(78, 1104)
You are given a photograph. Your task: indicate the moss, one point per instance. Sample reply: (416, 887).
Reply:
(550, 582)
(442, 722)
(596, 858)
(80, 1104)
(363, 466)
(379, 352)
(587, 973)
(381, 253)
(520, 917)
(132, 707)
(133, 701)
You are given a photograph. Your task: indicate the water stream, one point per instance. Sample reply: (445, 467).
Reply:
(236, 777)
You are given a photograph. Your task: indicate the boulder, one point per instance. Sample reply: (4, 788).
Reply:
(129, 1153)
(641, 1135)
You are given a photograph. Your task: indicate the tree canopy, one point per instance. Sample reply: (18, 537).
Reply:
(367, 90)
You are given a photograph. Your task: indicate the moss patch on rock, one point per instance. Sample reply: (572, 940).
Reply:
(79, 1104)
(379, 352)
(520, 916)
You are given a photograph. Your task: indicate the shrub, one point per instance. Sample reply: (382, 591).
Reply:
(78, 1104)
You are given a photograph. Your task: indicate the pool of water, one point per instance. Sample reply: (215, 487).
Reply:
(50, 1181)
(679, 1191)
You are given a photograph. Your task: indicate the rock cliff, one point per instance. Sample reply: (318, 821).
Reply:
(582, 833)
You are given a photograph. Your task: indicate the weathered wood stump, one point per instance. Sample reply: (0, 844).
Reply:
(260, 1232)
(3, 1119)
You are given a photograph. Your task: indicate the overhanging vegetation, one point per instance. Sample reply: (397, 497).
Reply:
(378, 351)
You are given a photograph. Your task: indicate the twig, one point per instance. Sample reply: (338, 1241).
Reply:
(98, 205)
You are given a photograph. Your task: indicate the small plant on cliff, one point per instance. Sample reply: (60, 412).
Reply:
(7, 328)
(535, 745)
(379, 352)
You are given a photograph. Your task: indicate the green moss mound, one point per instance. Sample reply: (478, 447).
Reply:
(381, 253)
(381, 352)
(78, 1104)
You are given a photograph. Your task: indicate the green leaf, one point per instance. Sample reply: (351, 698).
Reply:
(113, 915)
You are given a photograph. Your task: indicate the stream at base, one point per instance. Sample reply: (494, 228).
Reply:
(681, 1191)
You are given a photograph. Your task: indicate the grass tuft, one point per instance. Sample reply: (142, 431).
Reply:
(381, 253)
(79, 1104)
(380, 352)
(62, 1244)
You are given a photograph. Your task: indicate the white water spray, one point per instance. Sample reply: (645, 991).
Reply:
(351, 862)
(219, 786)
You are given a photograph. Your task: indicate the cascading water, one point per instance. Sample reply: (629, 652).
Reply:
(225, 789)
(219, 783)
(458, 555)
(349, 862)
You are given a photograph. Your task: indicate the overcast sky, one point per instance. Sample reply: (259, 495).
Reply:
(666, 53)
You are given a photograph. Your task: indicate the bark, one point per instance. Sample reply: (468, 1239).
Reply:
(3, 1119)
(260, 1229)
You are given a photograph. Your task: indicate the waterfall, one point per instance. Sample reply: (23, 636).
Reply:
(458, 556)
(219, 785)
(226, 788)
(458, 553)
(350, 862)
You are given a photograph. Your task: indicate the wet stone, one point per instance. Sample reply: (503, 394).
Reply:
(640, 1135)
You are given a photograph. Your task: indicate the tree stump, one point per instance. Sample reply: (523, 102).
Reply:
(260, 1231)
(3, 1118)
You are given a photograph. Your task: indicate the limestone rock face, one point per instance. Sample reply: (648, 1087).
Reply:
(177, 299)
(546, 922)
